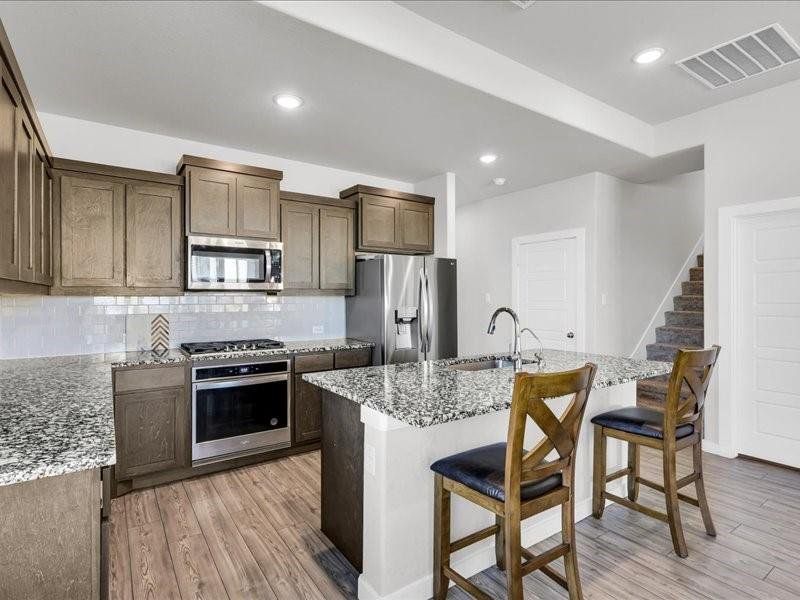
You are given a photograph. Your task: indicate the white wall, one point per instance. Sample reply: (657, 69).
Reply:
(660, 223)
(96, 142)
(637, 238)
(484, 231)
(751, 155)
(443, 188)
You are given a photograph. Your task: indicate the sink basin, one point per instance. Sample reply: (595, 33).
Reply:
(482, 365)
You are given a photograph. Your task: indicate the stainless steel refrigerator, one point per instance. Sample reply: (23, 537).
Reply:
(406, 305)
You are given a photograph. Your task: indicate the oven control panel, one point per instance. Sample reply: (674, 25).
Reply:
(243, 370)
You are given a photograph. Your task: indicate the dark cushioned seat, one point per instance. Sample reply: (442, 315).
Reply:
(641, 421)
(483, 470)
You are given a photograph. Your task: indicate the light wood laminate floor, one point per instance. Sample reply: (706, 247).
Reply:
(254, 533)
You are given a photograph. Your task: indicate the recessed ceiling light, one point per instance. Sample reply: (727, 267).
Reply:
(488, 159)
(645, 57)
(288, 101)
(499, 181)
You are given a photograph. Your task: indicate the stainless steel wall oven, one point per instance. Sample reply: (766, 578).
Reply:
(240, 408)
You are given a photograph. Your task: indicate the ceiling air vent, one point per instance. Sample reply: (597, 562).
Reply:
(739, 59)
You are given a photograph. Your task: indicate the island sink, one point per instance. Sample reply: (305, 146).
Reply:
(482, 365)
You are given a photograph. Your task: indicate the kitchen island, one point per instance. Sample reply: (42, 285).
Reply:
(384, 426)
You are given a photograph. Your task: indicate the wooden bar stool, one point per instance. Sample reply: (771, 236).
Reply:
(516, 484)
(678, 427)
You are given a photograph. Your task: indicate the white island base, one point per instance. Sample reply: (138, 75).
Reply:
(398, 494)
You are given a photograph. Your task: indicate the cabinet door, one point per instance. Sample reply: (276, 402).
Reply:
(9, 212)
(92, 233)
(378, 223)
(257, 207)
(153, 227)
(300, 237)
(416, 226)
(150, 432)
(212, 202)
(26, 221)
(307, 411)
(336, 249)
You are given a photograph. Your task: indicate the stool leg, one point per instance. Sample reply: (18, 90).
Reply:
(671, 495)
(571, 558)
(500, 543)
(513, 558)
(697, 459)
(633, 465)
(441, 538)
(599, 476)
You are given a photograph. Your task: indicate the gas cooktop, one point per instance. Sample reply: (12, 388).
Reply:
(230, 346)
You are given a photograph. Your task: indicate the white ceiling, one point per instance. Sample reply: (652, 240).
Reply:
(208, 70)
(588, 45)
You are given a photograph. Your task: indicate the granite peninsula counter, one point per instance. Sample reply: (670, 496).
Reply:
(384, 426)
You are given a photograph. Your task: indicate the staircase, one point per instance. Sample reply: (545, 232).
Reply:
(683, 329)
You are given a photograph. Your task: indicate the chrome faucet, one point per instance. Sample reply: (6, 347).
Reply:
(517, 355)
(540, 354)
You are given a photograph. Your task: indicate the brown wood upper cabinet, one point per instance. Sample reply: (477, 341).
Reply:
(227, 199)
(318, 244)
(119, 231)
(25, 199)
(392, 221)
(153, 233)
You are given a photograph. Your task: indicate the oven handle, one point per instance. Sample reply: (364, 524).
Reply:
(239, 381)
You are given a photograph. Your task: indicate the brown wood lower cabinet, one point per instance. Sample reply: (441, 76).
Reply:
(308, 398)
(152, 423)
(307, 411)
(50, 538)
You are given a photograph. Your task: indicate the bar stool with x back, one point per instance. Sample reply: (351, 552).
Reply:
(516, 484)
(680, 426)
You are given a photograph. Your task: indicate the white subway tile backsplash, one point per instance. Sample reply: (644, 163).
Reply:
(59, 325)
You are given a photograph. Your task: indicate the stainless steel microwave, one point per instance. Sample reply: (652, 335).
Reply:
(215, 263)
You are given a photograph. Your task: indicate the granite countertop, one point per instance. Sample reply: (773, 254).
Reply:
(56, 416)
(429, 393)
(297, 347)
(57, 413)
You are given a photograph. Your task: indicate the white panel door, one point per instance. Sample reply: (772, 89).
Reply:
(547, 291)
(769, 352)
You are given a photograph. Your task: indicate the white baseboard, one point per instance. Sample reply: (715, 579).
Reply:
(482, 555)
(714, 448)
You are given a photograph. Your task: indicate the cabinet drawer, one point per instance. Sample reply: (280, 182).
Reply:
(348, 359)
(308, 363)
(148, 379)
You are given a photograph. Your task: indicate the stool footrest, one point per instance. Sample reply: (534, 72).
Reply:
(537, 561)
(618, 474)
(646, 510)
(473, 537)
(465, 584)
(660, 488)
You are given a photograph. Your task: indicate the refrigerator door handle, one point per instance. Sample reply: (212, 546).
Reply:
(428, 317)
(423, 318)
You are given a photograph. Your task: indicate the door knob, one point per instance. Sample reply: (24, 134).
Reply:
(570, 335)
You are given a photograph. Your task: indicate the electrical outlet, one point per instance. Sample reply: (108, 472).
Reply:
(369, 459)
(318, 329)
(488, 298)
